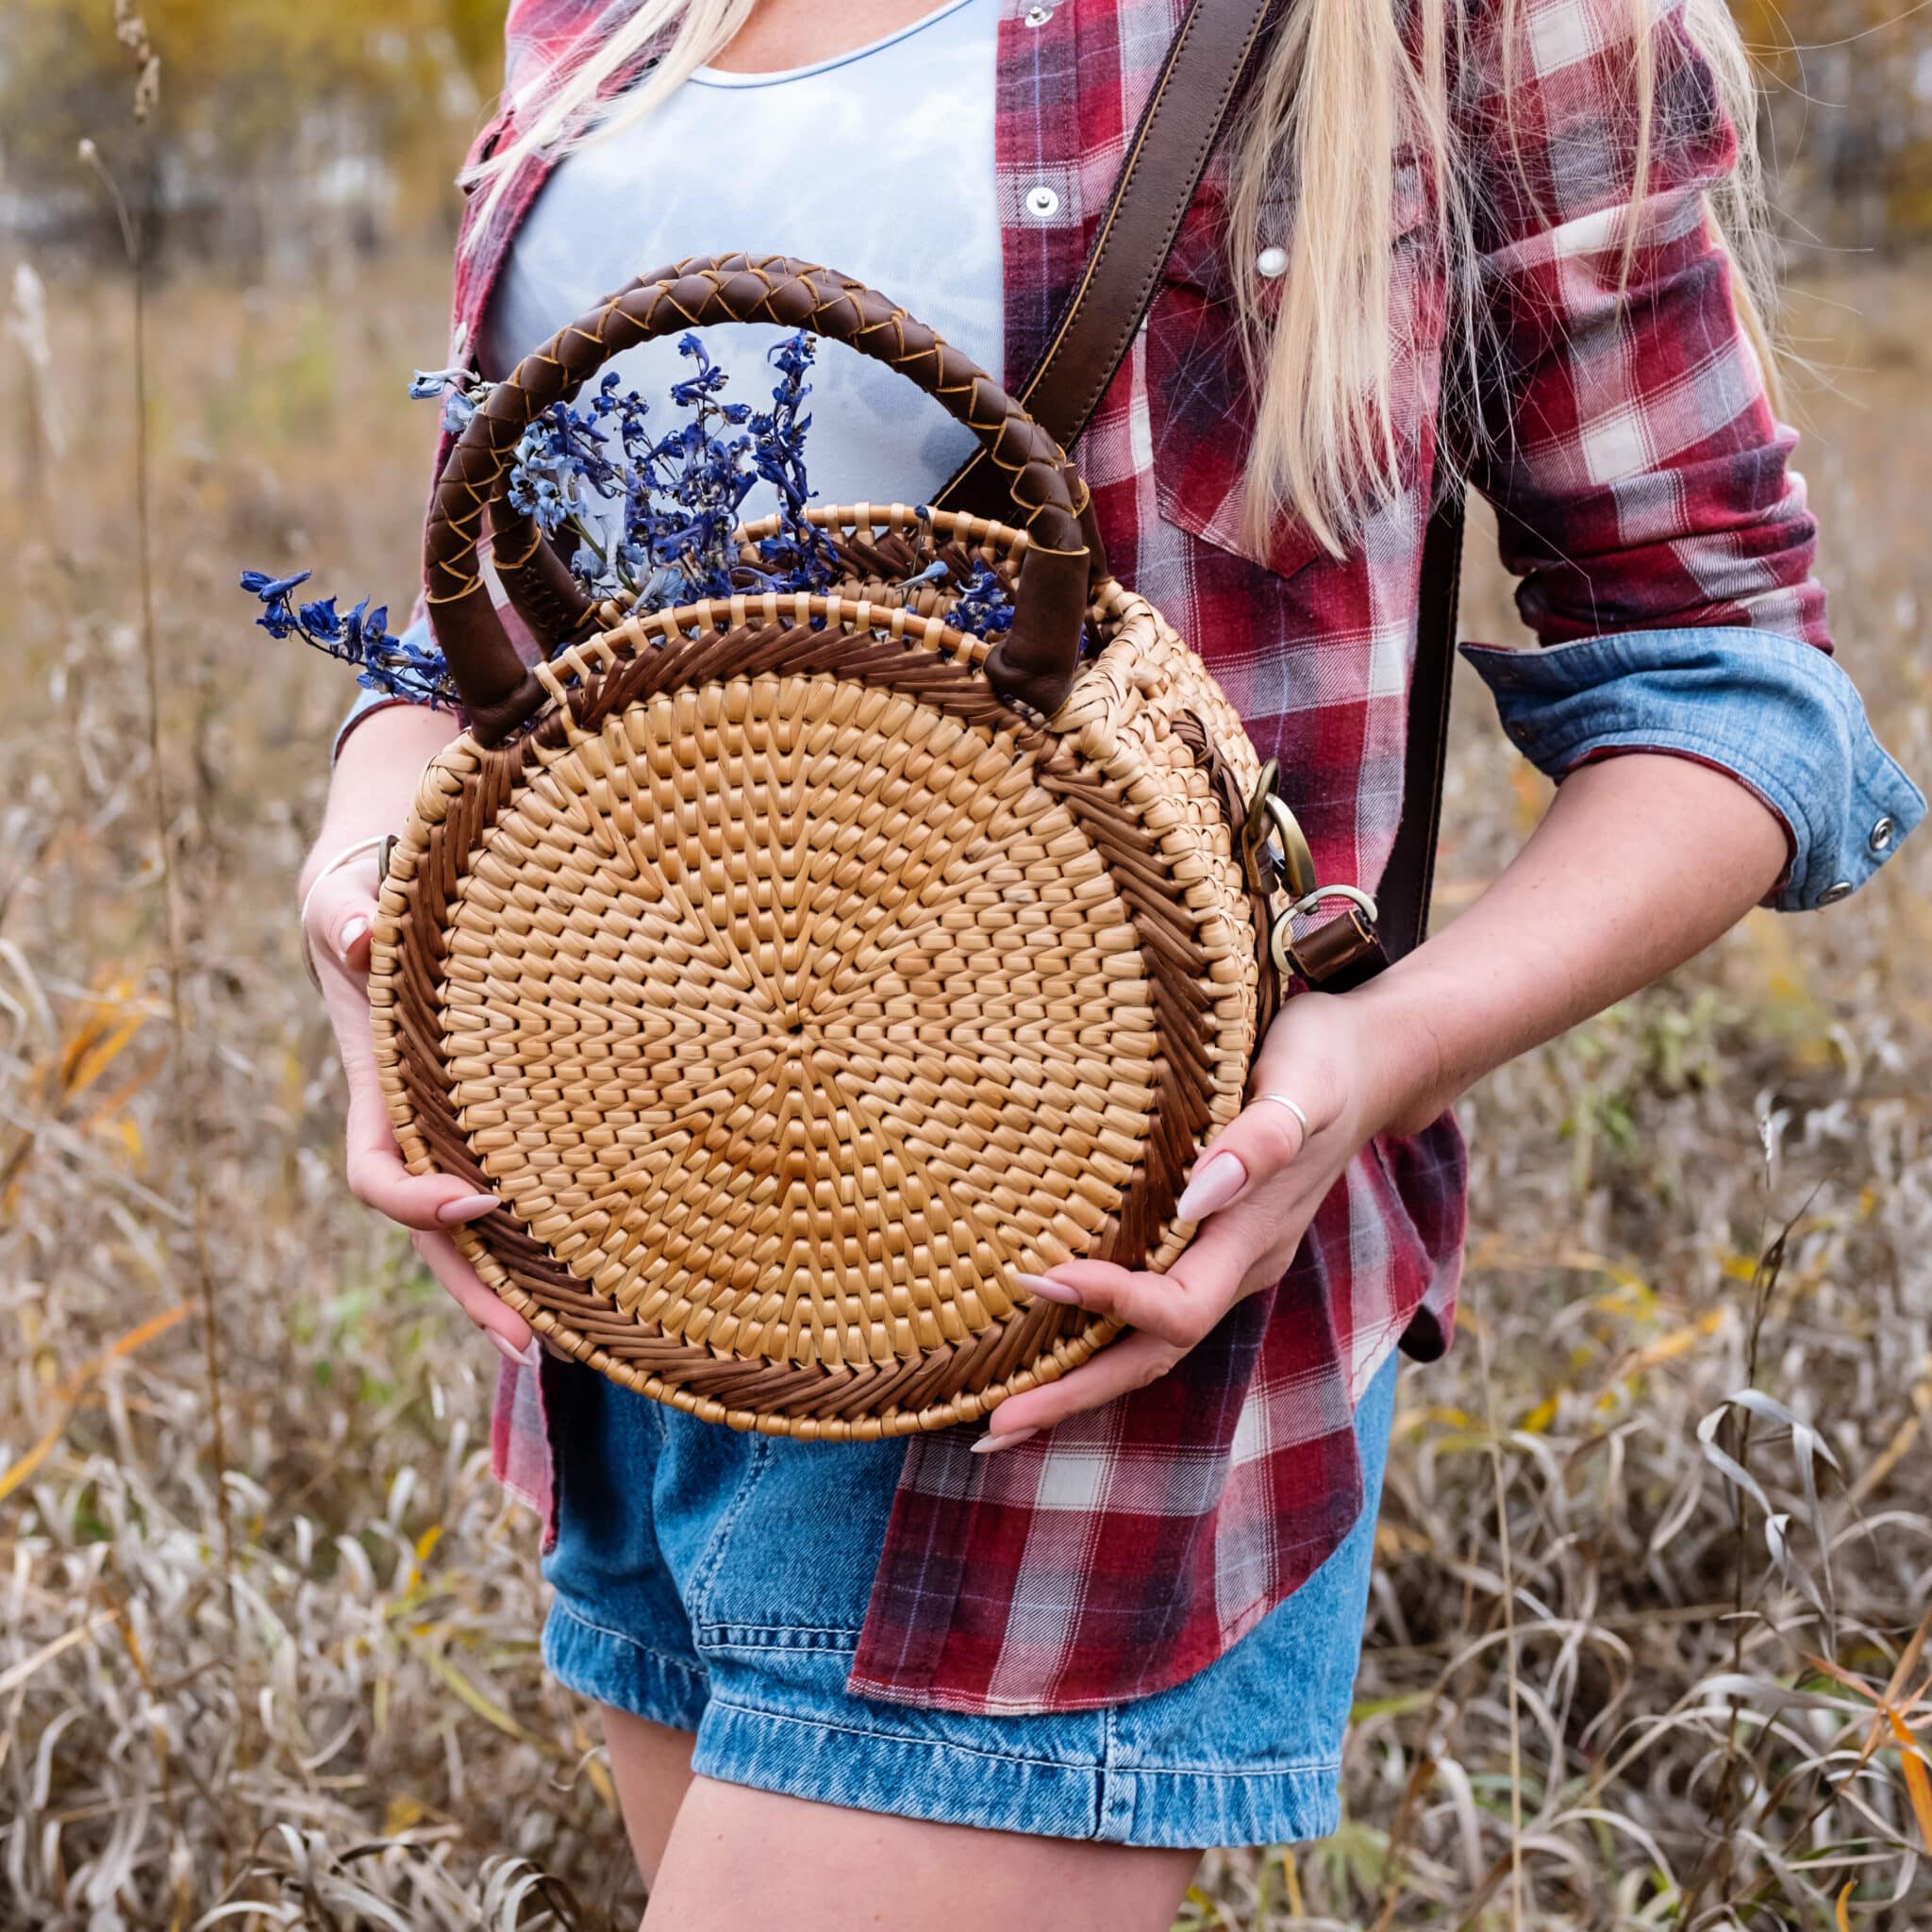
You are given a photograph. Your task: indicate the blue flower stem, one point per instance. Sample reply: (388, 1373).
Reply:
(584, 537)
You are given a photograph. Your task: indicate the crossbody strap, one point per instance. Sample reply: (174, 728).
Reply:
(1409, 879)
(1166, 159)
(1176, 135)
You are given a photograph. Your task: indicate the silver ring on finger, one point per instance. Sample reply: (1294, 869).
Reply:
(1282, 1099)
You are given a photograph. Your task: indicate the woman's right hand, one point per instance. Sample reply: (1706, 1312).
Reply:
(341, 912)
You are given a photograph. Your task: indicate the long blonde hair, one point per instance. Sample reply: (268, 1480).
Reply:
(1345, 89)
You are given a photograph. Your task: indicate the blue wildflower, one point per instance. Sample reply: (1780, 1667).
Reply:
(394, 666)
(539, 496)
(258, 583)
(461, 391)
(277, 617)
(800, 558)
(319, 620)
(627, 411)
(667, 509)
(984, 608)
(428, 384)
(706, 384)
(365, 628)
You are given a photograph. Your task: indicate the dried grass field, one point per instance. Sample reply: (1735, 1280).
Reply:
(1657, 1535)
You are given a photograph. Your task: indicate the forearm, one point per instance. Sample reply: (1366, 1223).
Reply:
(1640, 862)
(375, 778)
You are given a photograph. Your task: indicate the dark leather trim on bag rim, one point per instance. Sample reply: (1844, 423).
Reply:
(1226, 787)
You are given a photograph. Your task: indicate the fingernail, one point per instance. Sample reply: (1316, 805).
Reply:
(1049, 1290)
(507, 1349)
(991, 1446)
(352, 930)
(466, 1208)
(1213, 1188)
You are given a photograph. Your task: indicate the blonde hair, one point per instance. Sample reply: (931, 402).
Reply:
(1344, 92)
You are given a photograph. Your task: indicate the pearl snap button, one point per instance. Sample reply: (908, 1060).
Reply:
(1842, 889)
(1883, 833)
(1272, 262)
(1043, 204)
(1038, 16)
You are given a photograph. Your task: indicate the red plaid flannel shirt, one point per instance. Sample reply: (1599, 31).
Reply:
(1641, 482)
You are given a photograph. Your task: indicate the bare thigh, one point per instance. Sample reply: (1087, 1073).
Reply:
(650, 1764)
(739, 1858)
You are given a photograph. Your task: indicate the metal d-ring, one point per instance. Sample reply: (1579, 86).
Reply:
(1277, 939)
(1268, 817)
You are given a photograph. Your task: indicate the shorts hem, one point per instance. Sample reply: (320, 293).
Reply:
(611, 1668)
(946, 1784)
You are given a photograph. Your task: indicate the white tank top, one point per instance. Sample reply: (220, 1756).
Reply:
(878, 163)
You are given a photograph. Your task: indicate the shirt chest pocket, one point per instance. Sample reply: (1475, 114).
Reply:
(1201, 399)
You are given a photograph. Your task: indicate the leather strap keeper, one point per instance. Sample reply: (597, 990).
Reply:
(1338, 954)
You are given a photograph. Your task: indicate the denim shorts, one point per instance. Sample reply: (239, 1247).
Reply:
(716, 1582)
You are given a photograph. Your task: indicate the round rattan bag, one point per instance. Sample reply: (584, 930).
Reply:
(796, 970)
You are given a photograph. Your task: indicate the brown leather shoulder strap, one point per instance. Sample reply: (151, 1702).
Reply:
(1408, 879)
(1184, 115)
(1169, 153)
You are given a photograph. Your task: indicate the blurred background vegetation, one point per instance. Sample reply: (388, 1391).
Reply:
(294, 131)
(290, 131)
(1646, 1640)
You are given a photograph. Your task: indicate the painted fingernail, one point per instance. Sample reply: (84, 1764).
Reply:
(352, 930)
(507, 1349)
(466, 1208)
(1049, 1290)
(1213, 1188)
(991, 1446)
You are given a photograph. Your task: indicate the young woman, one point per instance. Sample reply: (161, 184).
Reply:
(1024, 1677)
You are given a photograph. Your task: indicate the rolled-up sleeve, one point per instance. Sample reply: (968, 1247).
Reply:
(1639, 476)
(1643, 484)
(1780, 717)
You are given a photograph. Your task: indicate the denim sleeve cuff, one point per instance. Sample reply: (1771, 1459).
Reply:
(1781, 717)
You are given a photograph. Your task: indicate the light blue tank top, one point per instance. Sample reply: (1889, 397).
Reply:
(878, 163)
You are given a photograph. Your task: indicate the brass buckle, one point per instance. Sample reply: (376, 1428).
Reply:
(1279, 946)
(1269, 819)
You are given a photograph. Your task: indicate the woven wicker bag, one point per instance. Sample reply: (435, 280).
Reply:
(795, 969)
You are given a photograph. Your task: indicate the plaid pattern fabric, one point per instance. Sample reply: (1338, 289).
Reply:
(1641, 482)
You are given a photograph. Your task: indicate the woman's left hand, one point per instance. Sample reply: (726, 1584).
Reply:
(1253, 1191)
(1572, 925)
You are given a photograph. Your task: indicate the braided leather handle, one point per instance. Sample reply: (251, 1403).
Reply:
(1035, 662)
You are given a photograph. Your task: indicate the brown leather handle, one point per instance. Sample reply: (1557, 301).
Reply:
(1034, 664)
